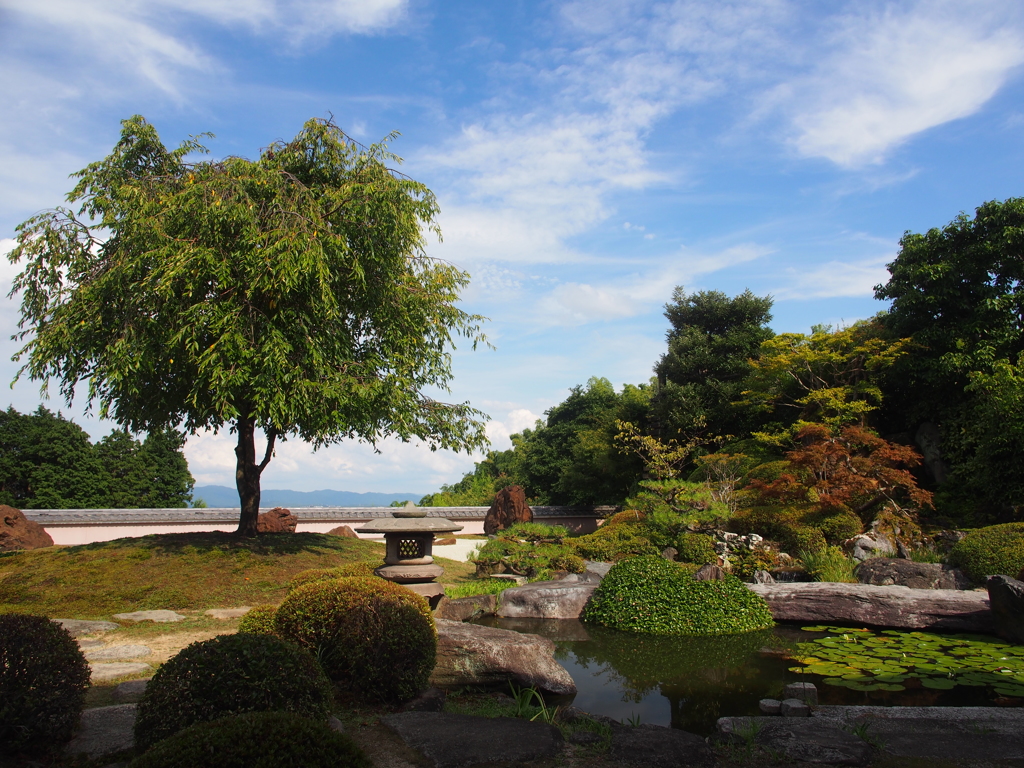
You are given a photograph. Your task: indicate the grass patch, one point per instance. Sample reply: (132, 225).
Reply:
(175, 571)
(475, 587)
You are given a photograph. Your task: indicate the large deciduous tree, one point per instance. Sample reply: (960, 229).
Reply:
(289, 295)
(710, 345)
(958, 292)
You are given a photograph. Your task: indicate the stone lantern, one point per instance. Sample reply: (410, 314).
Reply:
(409, 538)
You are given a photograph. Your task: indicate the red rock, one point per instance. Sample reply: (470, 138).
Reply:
(277, 520)
(343, 530)
(509, 508)
(18, 532)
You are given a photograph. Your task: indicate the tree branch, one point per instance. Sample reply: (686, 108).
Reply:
(271, 437)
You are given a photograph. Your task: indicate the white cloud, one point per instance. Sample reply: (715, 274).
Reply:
(894, 73)
(150, 38)
(498, 432)
(835, 279)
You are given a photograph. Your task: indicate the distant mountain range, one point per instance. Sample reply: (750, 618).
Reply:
(222, 496)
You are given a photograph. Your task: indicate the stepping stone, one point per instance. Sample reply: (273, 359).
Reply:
(653, 746)
(79, 627)
(228, 613)
(104, 731)
(85, 644)
(118, 653)
(456, 741)
(131, 690)
(157, 616)
(103, 672)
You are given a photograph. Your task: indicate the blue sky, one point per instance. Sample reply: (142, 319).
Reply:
(587, 156)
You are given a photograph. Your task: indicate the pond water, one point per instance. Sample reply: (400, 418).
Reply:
(690, 682)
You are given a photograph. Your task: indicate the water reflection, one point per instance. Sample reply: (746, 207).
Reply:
(686, 682)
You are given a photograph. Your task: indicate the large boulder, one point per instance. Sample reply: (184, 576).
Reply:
(343, 530)
(1006, 596)
(865, 546)
(18, 532)
(820, 602)
(889, 571)
(277, 520)
(562, 599)
(654, 746)
(466, 608)
(470, 654)
(509, 508)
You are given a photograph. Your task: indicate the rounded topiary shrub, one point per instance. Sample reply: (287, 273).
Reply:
(43, 678)
(308, 576)
(998, 549)
(256, 740)
(654, 596)
(229, 675)
(374, 639)
(258, 621)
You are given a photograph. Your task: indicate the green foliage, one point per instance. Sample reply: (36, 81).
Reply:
(47, 462)
(572, 458)
(533, 550)
(828, 564)
(958, 292)
(785, 525)
(998, 549)
(289, 294)
(654, 596)
(671, 507)
(866, 661)
(477, 488)
(697, 548)
(611, 543)
(375, 639)
(310, 575)
(837, 524)
(710, 344)
(258, 621)
(256, 740)
(829, 377)
(43, 679)
(230, 675)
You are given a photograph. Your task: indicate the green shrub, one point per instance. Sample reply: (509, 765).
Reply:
(229, 675)
(652, 595)
(998, 549)
(308, 576)
(698, 548)
(256, 740)
(836, 524)
(785, 525)
(609, 544)
(475, 587)
(536, 532)
(828, 564)
(374, 638)
(568, 562)
(258, 621)
(43, 678)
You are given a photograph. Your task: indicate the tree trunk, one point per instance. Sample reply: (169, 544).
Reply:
(248, 472)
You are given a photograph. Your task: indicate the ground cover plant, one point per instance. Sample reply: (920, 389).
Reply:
(651, 595)
(997, 549)
(892, 660)
(175, 571)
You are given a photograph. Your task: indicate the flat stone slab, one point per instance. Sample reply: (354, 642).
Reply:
(653, 746)
(104, 731)
(461, 741)
(546, 600)
(118, 653)
(157, 616)
(131, 690)
(949, 610)
(976, 735)
(103, 672)
(80, 627)
(800, 739)
(228, 613)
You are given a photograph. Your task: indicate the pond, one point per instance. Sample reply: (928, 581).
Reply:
(690, 682)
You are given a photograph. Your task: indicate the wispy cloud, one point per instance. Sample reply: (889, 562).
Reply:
(835, 279)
